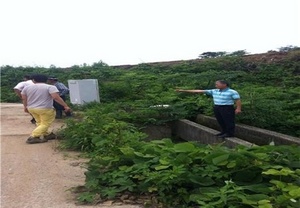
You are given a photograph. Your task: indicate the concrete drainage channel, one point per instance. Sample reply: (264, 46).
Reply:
(205, 128)
(191, 131)
(204, 132)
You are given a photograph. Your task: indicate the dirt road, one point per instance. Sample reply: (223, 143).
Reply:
(36, 175)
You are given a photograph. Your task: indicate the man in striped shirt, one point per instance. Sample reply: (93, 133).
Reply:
(63, 91)
(224, 99)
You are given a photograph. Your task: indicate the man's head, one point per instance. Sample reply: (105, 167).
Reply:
(39, 78)
(52, 80)
(26, 77)
(222, 84)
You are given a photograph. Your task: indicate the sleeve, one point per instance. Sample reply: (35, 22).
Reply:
(19, 86)
(208, 92)
(235, 95)
(52, 89)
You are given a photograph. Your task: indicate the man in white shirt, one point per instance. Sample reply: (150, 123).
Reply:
(38, 100)
(20, 86)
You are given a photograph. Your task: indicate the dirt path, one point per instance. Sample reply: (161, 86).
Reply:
(37, 175)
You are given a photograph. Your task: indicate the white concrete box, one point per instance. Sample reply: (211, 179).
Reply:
(84, 91)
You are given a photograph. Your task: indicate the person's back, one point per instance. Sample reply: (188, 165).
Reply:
(39, 95)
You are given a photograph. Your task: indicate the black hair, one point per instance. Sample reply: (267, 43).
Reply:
(39, 78)
(224, 82)
(27, 76)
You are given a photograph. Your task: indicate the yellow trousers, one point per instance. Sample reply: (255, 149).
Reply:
(44, 118)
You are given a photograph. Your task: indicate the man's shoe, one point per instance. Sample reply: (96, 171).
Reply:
(50, 136)
(33, 121)
(34, 140)
(219, 134)
(224, 135)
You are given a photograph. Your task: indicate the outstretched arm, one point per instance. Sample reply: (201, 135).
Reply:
(191, 91)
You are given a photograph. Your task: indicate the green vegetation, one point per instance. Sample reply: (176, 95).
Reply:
(268, 84)
(162, 173)
(183, 174)
(187, 175)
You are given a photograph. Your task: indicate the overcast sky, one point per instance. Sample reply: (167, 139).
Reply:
(73, 32)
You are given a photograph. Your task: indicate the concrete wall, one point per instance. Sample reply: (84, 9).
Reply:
(207, 127)
(191, 131)
(252, 134)
(158, 132)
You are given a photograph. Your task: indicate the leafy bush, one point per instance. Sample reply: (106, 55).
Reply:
(86, 132)
(189, 175)
(178, 175)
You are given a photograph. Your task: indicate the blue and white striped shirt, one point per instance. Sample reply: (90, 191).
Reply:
(63, 90)
(223, 97)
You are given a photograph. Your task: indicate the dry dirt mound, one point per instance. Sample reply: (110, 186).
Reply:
(270, 57)
(37, 175)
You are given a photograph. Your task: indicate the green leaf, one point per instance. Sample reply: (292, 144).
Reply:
(128, 151)
(86, 197)
(221, 160)
(164, 162)
(279, 184)
(161, 167)
(295, 193)
(152, 189)
(139, 154)
(203, 181)
(264, 204)
(282, 172)
(258, 197)
(184, 147)
(110, 192)
(183, 158)
(231, 164)
(259, 188)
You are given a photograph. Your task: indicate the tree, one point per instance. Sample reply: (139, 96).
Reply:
(238, 53)
(212, 54)
(288, 48)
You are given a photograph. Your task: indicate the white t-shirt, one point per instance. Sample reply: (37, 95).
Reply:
(39, 95)
(20, 86)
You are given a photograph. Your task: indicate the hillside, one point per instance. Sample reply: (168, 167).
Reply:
(268, 84)
(270, 57)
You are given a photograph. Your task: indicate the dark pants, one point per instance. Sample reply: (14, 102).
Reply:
(59, 108)
(225, 116)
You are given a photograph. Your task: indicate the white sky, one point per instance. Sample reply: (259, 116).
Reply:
(72, 32)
